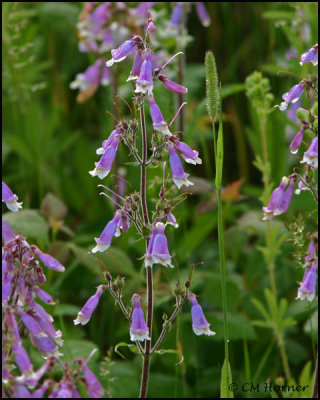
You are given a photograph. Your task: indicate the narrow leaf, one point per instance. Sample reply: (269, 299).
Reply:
(219, 155)
(226, 382)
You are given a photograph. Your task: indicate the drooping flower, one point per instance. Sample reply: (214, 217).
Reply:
(106, 143)
(190, 156)
(203, 14)
(178, 175)
(310, 56)
(138, 328)
(158, 123)
(144, 83)
(10, 199)
(125, 49)
(200, 325)
(301, 186)
(49, 261)
(286, 199)
(292, 96)
(310, 157)
(176, 16)
(307, 288)
(136, 68)
(171, 220)
(7, 233)
(104, 241)
(275, 200)
(172, 86)
(157, 252)
(103, 166)
(94, 388)
(311, 256)
(89, 78)
(85, 314)
(64, 391)
(297, 140)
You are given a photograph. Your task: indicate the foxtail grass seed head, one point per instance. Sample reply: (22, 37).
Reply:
(212, 86)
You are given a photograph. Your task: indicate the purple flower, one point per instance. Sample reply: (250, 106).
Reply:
(307, 289)
(10, 199)
(310, 56)
(90, 78)
(292, 96)
(64, 391)
(95, 390)
(44, 296)
(157, 252)
(138, 328)
(106, 143)
(296, 142)
(49, 261)
(200, 325)
(158, 123)
(301, 186)
(85, 314)
(202, 13)
(171, 220)
(7, 233)
(7, 287)
(48, 329)
(103, 166)
(125, 49)
(176, 16)
(310, 157)
(104, 241)
(107, 42)
(190, 156)
(123, 223)
(285, 201)
(172, 86)
(311, 257)
(23, 361)
(275, 200)
(86, 46)
(136, 68)
(144, 83)
(178, 175)
(21, 392)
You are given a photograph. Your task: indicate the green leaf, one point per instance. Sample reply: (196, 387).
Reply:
(65, 309)
(171, 351)
(261, 308)
(226, 381)
(29, 223)
(219, 156)
(213, 95)
(75, 348)
(132, 347)
(306, 379)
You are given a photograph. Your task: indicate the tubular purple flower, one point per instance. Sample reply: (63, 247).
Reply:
(21, 392)
(7, 287)
(91, 77)
(160, 253)
(301, 186)
(45, 345)
(49, 261)
(171, 220)
(285, 201)
(39, 310)
(94, 388)
(172, 86)
(85, 314)
(200, 325)
(23, 361)
(148, 255)
(275, 200)
(203, 14)
(125, 49)
(310, 56)
(7, 233)
(101, 14)
(311, 257)
(44, 296)
(123, 223)
(296, 142)
(144, 83)
(178, 175)
(10, 199)
(64, 391)
(106, 143)
(138, 328)
(105, 78)
(48, 329)
(86, 46)
(292, 96)
(136, 68)
(104, 241)
(107, 42)
(307, 289)
(39, 393)
(176, 15)
(158, 123)
(103, 166)
(31, 324)
(310, 157)
(190, 156)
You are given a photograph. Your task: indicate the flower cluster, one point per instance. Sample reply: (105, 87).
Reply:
(281, 196)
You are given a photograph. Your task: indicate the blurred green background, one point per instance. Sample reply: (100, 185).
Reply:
(48, 147)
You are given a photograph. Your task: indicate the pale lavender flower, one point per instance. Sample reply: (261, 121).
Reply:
(172, 86)
(48, 329)
(104, 165)
(138, 328)
(158, 123)
(23, 361)
(190, 156)
(297, 140)
(125, 49)
(104, 241)
(136, 68)
(44, 296)
(106, 143)
(90, 78)
(144, 83)
(176, 16)
(21, 392)
(49, 261)
(64, 391)
(7, 233)
(301, 186)
(311, 257)
(178, 175)
(310, 56)
(10, 199)
(171, 220)
(307, 289)
(85, 314)
(107, 42)
(286, 199)
(148, 255)
(94, 388)
(159, 253)
(292, 96)
(275, 200)
(200, 325)
(203, 14)
(310, 157)
(87, 46)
